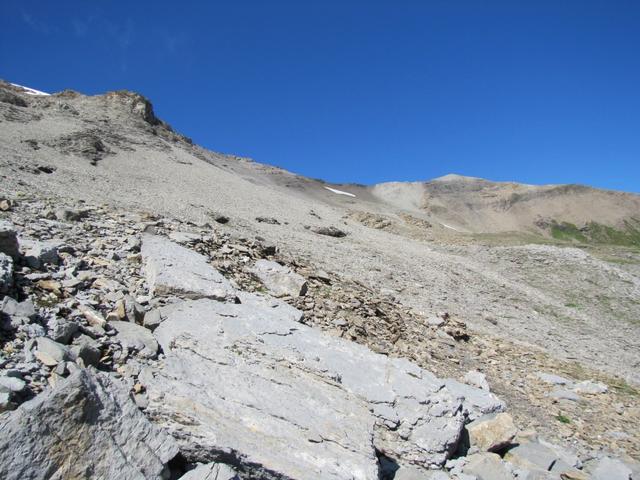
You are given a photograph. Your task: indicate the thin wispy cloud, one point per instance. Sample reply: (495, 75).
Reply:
(36, 24)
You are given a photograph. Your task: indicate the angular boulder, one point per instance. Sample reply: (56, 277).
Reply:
(244, 382)
(174, 270)
(491, 432)
(131, 335)
(476, 402)
(281, 281)
(86, 427)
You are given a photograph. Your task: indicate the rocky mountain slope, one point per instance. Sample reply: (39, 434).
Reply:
(245, 321)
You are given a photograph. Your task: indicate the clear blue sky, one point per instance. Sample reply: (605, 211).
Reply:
(362, 91)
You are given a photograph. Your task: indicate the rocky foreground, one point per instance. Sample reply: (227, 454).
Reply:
(127, 354)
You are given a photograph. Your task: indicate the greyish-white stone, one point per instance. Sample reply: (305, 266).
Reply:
(8, 239)
(49, 352)
(554, 379)
(611, 469)
(6, 272)
(476, 402)
(247, 382)
(38, 253)
(487, 466)
(564, 394)
(589, 387)
(211, 471)
(86, 427)
(175, 270)
(12, 384)
(532, 456)
(281, 281)
(476, 379)
(134, 336)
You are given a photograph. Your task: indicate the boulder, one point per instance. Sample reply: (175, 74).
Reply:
(13, 314)
(476, 402)
(136, 337)
(245, 382)
(491, 432)
(281, 281)
(8, 239)
(6, 272)
(86, 427)
(50, 353)
(174, 270)
(38, 253)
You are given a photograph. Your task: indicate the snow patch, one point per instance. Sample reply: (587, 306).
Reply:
(340, 192)
(452, 228)
(30, 91)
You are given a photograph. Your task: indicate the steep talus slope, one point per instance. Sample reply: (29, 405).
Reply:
(568, 307)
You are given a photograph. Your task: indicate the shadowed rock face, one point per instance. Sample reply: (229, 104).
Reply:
(87, 427)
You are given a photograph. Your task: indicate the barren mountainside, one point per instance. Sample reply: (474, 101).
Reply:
(246, 322)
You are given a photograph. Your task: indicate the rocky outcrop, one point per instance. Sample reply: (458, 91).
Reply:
(243, 382)
(174, 270)
(87, 427)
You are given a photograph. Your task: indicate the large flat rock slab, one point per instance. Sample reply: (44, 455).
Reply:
(174, 270)
(86, 427)
(246, 382)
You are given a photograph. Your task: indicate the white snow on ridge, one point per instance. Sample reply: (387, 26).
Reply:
(30, 91)
(340, 192)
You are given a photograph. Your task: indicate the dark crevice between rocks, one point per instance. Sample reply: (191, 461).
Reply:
(387, 466)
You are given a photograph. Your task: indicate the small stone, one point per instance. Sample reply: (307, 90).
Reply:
(491, 432)
(50, 286)
(5, 401)
(564, 394)
(279, 280)
(476, 379)
(152, 319)
(12, 384)
(69, 215)
(38, 253)
(589, 387)
(61, 330)
(5, 205)
(329, 231)
(554, 379)
(131, 335)
(49, 352)
(93, 317)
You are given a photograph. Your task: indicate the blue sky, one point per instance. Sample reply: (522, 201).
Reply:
(362, 91)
